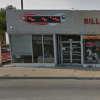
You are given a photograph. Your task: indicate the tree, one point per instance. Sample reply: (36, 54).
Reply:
(2, 23)
(3, 27)
(3, 16)
(2, 20)
(2, 9)
(10, 7)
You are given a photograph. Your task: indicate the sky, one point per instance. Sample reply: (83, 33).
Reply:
(53, 4)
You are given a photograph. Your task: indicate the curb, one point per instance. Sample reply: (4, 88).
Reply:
(77, 78)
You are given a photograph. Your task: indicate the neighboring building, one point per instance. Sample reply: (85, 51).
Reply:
(54, 37)
(7, 38)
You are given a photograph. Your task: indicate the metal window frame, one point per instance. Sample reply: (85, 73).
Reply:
(81, 45)
(81, 36)
(54, 46)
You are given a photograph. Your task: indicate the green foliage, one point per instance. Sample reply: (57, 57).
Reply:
(10, 7)
(3, 16)
(2, 34)
(2, 23)
(2, 9)
(3, 19)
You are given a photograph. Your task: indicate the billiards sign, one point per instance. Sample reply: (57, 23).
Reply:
(91, 21)
(37, 19)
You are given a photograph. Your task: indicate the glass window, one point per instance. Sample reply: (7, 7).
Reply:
(37, 49)
(48, 49)
(22, 58)
(91, 49)
(73, 37)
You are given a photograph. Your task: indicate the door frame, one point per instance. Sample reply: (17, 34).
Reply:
(59, 48)
(62, 52)
(70, 42)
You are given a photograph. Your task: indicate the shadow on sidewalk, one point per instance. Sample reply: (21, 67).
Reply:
(72, 67)
(79, 67)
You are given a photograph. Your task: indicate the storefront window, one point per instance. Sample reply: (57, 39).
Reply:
(73, 37)
(22, 59)
(37, 49)
(48, 49)
(91, 49)
(43, 51)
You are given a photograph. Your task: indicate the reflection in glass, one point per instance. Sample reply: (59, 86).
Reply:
(73, 37)
(76, 53)
(22, 58)
(48, 49)
(37, 49)
(92, 50)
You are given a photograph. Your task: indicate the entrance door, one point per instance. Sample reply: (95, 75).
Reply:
(70, 52)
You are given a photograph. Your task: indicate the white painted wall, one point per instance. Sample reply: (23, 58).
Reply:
(7, 38)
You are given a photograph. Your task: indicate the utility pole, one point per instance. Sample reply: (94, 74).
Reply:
(21, 4)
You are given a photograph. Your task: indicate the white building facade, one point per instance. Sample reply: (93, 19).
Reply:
(54, 37)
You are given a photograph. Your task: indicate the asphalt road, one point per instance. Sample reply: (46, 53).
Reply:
(49, 89)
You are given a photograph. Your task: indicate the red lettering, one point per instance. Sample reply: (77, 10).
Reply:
(50, 17)
(92, 21)
(30, 18)
(89, 44)
(89, 21)
(53, 18)
(97, 21)
(85, 21)
(57, 19)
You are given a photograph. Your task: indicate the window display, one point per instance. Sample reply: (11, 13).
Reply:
(22, 58)
(92, 49)
(43, 51)
(48, 49)
(37, 49)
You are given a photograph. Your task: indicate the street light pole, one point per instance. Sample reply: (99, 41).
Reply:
(21, 4)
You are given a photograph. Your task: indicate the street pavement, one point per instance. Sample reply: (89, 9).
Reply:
(64, 72)
(49, 89)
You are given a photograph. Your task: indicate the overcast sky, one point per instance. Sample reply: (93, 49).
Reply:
(53, 4)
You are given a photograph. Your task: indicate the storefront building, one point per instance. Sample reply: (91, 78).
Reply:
(54, 37)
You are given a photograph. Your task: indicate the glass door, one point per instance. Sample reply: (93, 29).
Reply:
(76, 52)
(66, 53)
(71, 52)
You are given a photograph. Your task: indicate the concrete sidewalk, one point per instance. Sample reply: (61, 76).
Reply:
(57, 72)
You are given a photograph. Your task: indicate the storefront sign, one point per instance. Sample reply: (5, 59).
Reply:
(91, 21)
(37, 19)
(91, 37)
(89, 44)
